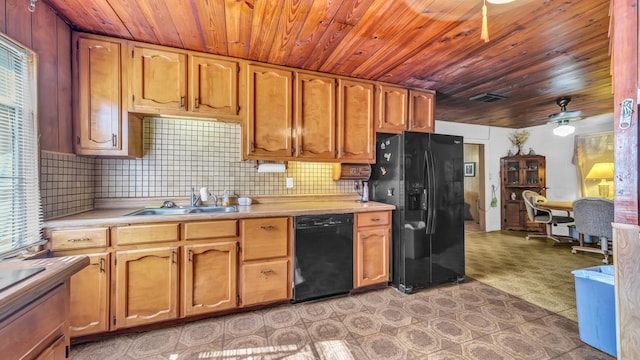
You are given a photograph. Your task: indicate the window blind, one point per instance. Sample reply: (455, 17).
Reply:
(20, 209)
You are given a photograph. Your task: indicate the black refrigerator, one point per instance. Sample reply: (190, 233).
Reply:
(422, 175)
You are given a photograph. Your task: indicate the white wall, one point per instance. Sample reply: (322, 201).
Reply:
(561, 173)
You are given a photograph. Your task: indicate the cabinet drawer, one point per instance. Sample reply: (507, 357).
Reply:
(36, 327)
(264, 238)
(373, 218)
(265, 282)
(210, 229)
(141, 234)
(71, 239)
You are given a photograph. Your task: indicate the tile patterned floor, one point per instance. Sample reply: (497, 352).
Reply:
(515, 304)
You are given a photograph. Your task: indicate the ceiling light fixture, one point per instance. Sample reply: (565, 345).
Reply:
(563, 118)
(564, 129)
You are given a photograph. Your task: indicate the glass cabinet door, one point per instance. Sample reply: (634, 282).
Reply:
(512, 169)
(531, 171)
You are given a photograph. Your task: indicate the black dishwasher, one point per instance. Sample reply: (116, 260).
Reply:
(323, 256)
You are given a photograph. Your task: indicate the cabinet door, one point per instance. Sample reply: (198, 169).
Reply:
(265, 282)
(98, 96)
(372, 256)
(356, 140)
(269, 115)
(158, 80)
(209, 277)
(421, 109)
(213, 86)
(146, 286)
(89, 309)
(391, 109)
(315, 117)
(515, 217)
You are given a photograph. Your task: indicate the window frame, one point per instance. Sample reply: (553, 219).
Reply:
(23, 222)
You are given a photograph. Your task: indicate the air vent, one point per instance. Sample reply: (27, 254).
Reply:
(487, 97)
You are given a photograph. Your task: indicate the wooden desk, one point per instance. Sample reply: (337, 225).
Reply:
(556, 205)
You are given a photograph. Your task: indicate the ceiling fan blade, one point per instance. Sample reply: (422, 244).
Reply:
(565, 116)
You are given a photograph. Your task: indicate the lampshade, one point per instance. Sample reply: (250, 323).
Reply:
(601, 171)
(564, 130)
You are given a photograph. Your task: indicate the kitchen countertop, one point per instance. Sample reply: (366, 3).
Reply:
(266, 208)
(56, 271)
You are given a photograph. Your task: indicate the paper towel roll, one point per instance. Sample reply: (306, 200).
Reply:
(271, 168)
(204, 194)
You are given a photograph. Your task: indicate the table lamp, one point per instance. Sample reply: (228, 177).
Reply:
(602, 171)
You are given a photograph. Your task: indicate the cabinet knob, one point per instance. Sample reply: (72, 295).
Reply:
(196, 103)
(114, 140)
(181, 101)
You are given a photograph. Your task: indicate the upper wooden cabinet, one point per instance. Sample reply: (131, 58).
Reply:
(421, 109)
(213, 86)
(158, 79)
(315, 116)
(391, 108)
(356, 137)
(269, 115)
(102, 127)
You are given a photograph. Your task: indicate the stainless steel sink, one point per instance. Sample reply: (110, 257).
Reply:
(217, 209)
(184, 210)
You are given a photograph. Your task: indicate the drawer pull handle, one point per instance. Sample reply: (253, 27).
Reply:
(173, 257)
(190, 253)
(266, 271)
(101, 264)
(79, 239)
(266, 227)
(375, 219)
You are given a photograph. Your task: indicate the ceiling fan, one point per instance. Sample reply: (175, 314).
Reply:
(563, 118)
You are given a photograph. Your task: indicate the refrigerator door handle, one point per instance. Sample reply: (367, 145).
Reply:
(434, 186)
(428, 194)
(430, 189)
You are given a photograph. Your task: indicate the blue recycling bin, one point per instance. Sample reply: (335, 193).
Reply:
(595, 305)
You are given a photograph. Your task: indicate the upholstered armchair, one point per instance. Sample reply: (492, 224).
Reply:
(593, 216)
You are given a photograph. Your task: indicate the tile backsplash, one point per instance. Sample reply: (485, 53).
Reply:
(178, 154)
(66, 184)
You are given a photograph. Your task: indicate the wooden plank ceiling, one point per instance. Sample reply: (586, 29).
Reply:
(539, 50)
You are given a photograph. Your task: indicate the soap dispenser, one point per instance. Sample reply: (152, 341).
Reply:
(365, 192)
(225, 198)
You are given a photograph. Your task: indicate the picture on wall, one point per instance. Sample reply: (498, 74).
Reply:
(470, 169)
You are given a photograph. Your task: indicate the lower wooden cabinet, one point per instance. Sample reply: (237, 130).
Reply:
(89, 298)
(371, 248)
(265, 271)
(146, 289)
(209, 277)
(39, 331)
(265, 281)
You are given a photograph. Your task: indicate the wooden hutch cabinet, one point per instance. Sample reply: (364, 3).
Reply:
(519, 173)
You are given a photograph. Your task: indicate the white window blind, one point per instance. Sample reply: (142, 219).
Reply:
(20, 209)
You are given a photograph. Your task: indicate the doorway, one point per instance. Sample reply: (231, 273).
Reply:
(474, 189)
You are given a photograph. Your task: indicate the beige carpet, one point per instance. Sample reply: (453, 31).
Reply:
(493, 317)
